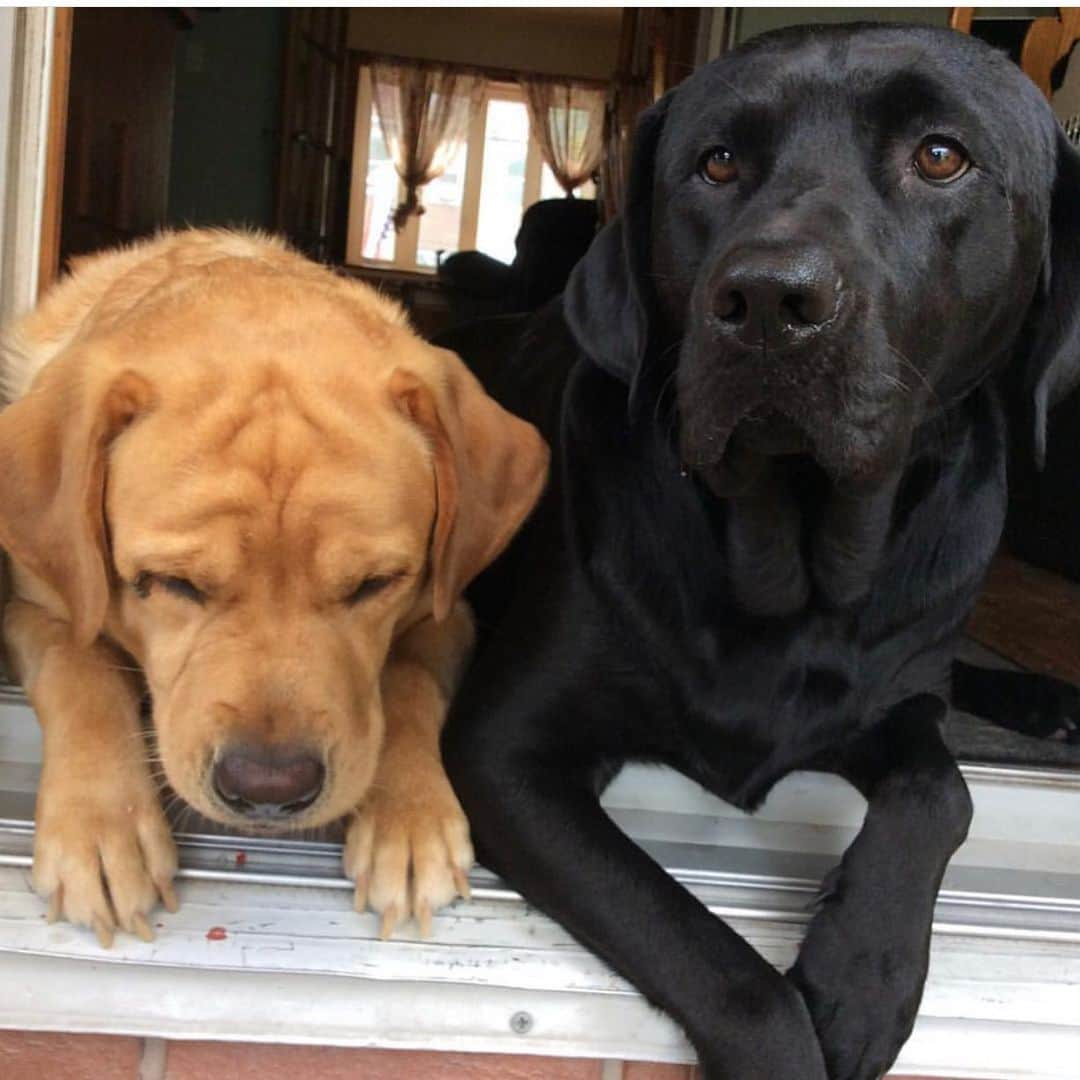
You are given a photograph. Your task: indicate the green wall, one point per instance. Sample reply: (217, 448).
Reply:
(228, 104)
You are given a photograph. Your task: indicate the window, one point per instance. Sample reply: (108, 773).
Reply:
(440, 224)
(380, 198)
(502, 183)
(476, 204)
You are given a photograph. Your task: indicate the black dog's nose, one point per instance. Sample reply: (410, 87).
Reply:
(266, 781)
(775, 297)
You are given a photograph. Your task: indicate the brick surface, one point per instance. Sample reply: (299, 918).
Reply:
(646, 1070)
(47, 1055)
(251, 1061)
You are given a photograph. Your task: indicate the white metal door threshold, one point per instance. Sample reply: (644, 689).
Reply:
(266, 946)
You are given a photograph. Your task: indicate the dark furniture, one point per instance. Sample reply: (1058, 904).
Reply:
(1043, 526)
(554, 234)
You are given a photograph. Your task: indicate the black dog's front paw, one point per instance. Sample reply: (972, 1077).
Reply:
(862, 998)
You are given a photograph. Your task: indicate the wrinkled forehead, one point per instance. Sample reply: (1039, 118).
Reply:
(876, 79)
(271, 471)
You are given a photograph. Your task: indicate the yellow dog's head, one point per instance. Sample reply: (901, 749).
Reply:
(252, 475)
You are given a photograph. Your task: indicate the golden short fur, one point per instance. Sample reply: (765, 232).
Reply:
(244, 479)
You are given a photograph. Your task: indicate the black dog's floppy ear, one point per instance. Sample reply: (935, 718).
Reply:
(1054, 350)
(608, 298)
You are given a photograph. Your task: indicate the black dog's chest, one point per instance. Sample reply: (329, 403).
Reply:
(757, 702)
(739, 699)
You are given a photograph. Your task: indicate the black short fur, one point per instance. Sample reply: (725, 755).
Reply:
(759, 544)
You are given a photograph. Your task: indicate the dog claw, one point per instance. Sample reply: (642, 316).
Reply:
(141, 928)
(461, 883)
(828, 888)
(56, 905)
(168, 897)
(389, 921)
(360, 896)
(104, 932)
(423, 919)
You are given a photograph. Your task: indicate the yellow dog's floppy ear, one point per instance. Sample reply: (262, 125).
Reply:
(53, 449)
(490, 468)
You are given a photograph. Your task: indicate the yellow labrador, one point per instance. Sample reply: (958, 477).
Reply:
(240, 483)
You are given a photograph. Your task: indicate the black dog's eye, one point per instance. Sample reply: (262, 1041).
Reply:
(176, 585)
(370, 587)
(717, 166)
(941, 160)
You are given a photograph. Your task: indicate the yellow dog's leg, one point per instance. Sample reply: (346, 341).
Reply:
(103, 852)
(407, 847)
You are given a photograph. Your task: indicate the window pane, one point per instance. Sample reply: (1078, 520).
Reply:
(550, 188)
(440, 224)
(502, 186)
(380, 197)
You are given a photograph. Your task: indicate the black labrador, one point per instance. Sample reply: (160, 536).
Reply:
(779, 476)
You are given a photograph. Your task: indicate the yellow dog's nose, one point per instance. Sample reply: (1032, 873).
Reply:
(268, 781)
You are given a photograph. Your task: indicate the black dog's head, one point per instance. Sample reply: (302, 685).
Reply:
(831, 234)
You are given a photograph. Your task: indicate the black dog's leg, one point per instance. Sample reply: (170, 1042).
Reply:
(863, 964)
(539, 824)
(1037, 705)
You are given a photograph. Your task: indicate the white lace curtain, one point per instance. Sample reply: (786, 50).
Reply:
(423, 110)
(567, 121)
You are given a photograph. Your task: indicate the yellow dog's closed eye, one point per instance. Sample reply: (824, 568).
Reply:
(371, 587)
(178, 586)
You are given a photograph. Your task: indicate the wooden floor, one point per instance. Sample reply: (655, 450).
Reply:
(1030, 616)
(1025, 618)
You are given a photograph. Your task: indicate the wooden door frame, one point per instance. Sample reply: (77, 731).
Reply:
(56, 144)
(28, 141)
(1048, 38)
(332, 232)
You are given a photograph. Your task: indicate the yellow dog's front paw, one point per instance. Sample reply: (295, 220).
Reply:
(104, 862)
(409, 852)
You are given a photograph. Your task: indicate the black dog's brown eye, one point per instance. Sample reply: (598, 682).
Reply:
(717, 166)
(370, 587)
(941, 160)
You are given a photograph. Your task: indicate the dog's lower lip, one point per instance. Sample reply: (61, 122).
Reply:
(276, 824)
(269, 826)
(771, 432)
(268, 829)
